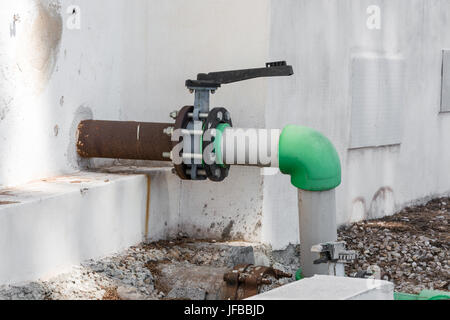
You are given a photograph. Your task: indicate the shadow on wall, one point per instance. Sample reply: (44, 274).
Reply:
(381, 205)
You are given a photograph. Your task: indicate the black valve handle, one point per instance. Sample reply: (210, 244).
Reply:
(216, 79)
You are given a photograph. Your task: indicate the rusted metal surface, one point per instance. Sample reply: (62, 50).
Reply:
(245, 281)
(123, 140)
(181, 123)
(147, 208)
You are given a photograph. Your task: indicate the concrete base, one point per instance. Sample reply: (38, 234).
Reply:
(51, 224)
(322, 287)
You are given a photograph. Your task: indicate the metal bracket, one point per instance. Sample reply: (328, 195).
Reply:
(336, 255)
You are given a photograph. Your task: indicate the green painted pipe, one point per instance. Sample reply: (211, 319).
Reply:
(309, 158)
(218, 143)
(299, 275)
(424, 295)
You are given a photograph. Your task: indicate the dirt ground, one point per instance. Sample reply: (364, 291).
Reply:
(182, 269)
(411, 247)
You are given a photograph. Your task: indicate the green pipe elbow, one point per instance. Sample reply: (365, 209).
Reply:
(309, 158)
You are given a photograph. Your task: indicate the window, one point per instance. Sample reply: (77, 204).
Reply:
(377, 101)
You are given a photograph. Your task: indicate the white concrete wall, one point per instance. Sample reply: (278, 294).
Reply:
(130, 59)
(319, 38)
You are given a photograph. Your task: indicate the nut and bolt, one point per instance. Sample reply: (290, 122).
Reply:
(201, 115)
(174, 115)
(200, 172)
(194, 156)
(186, 132)
(169, 131)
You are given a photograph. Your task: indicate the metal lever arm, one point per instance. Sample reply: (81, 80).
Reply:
(216, 79)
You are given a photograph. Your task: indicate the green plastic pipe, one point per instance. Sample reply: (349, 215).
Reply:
(218, 143)
(309, 158)
(424, 295)
(303, 153)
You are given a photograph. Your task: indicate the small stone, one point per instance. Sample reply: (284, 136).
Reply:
(129, 293)
(187, 293)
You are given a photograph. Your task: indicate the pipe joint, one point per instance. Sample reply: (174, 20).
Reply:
(309, 158)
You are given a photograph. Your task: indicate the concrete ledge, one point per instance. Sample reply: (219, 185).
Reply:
(164, 205)
(331, 288)
(52, 224)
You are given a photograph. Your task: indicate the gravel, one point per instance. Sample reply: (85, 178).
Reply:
(187, 293)
(411, 247)
(107, 278)
(181, 269)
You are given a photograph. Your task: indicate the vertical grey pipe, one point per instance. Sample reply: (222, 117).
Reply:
(317, 218)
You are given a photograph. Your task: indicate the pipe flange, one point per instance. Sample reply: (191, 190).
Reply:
(216, 172)
(182, 122)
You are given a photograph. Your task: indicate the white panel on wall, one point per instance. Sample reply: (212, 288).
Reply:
(377, 101)
(445, 101)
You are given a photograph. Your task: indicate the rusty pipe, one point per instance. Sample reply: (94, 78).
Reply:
(123, 140)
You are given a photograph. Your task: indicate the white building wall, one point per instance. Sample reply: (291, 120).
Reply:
(130, 59)
(320, 38)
